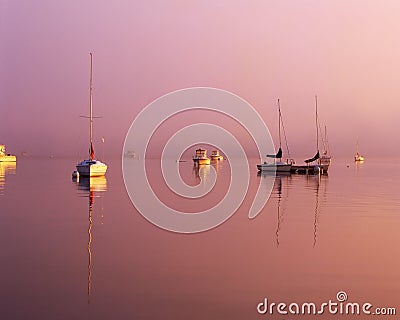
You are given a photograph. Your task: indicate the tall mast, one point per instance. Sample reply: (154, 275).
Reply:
(91, 107)
(316, 119)
(326, 142)
(280, 119)
(279, 112)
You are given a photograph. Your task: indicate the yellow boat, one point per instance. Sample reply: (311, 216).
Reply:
(216, 156)
(201, 157)
(4, 157)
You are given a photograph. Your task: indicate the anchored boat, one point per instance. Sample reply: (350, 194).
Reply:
(201, 158)
(216, 156)
(91, 167)
(316, 164)
(358, 156)
(6, 157)
(276, 166)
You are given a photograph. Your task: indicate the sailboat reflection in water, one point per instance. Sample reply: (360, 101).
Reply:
(277, 193)
(310, 192)
(278, 183)
(91, 187)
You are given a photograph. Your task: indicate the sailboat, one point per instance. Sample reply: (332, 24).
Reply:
(276, 166)
(358, 156)
(91, 167)
(321, 164)
(216, 156)
(201, 157)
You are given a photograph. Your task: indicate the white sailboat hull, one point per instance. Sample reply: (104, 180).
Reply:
(91, 168)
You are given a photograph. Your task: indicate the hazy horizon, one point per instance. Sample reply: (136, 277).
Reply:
(345, 52)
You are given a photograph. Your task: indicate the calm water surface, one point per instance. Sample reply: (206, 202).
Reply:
(74, 251)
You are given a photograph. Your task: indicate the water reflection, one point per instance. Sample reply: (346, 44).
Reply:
(358, 166)
(92, 188)
(316, 210)
(315, 183)
(93, 184)
(54, 272)
(217, 164)
(277, 194)
(202, 172)
(292, 191)
(278, 186)
(6, 168)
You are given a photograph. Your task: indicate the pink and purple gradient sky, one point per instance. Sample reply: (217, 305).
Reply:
(345, 51)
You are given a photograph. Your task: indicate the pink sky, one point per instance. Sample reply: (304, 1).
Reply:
(347, 52)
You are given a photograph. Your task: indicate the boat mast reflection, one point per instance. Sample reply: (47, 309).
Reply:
(279, 176)
(314, 183)
(316, 209)
(278, 180)
(358, 166)
(90, 187)
(317, 180)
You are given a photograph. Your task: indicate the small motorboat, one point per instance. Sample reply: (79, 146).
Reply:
(6, 157)
(216, 156)
(201, 157)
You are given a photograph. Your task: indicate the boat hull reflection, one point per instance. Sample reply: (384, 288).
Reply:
(97, 184)
(90, 186)
(5, 169)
